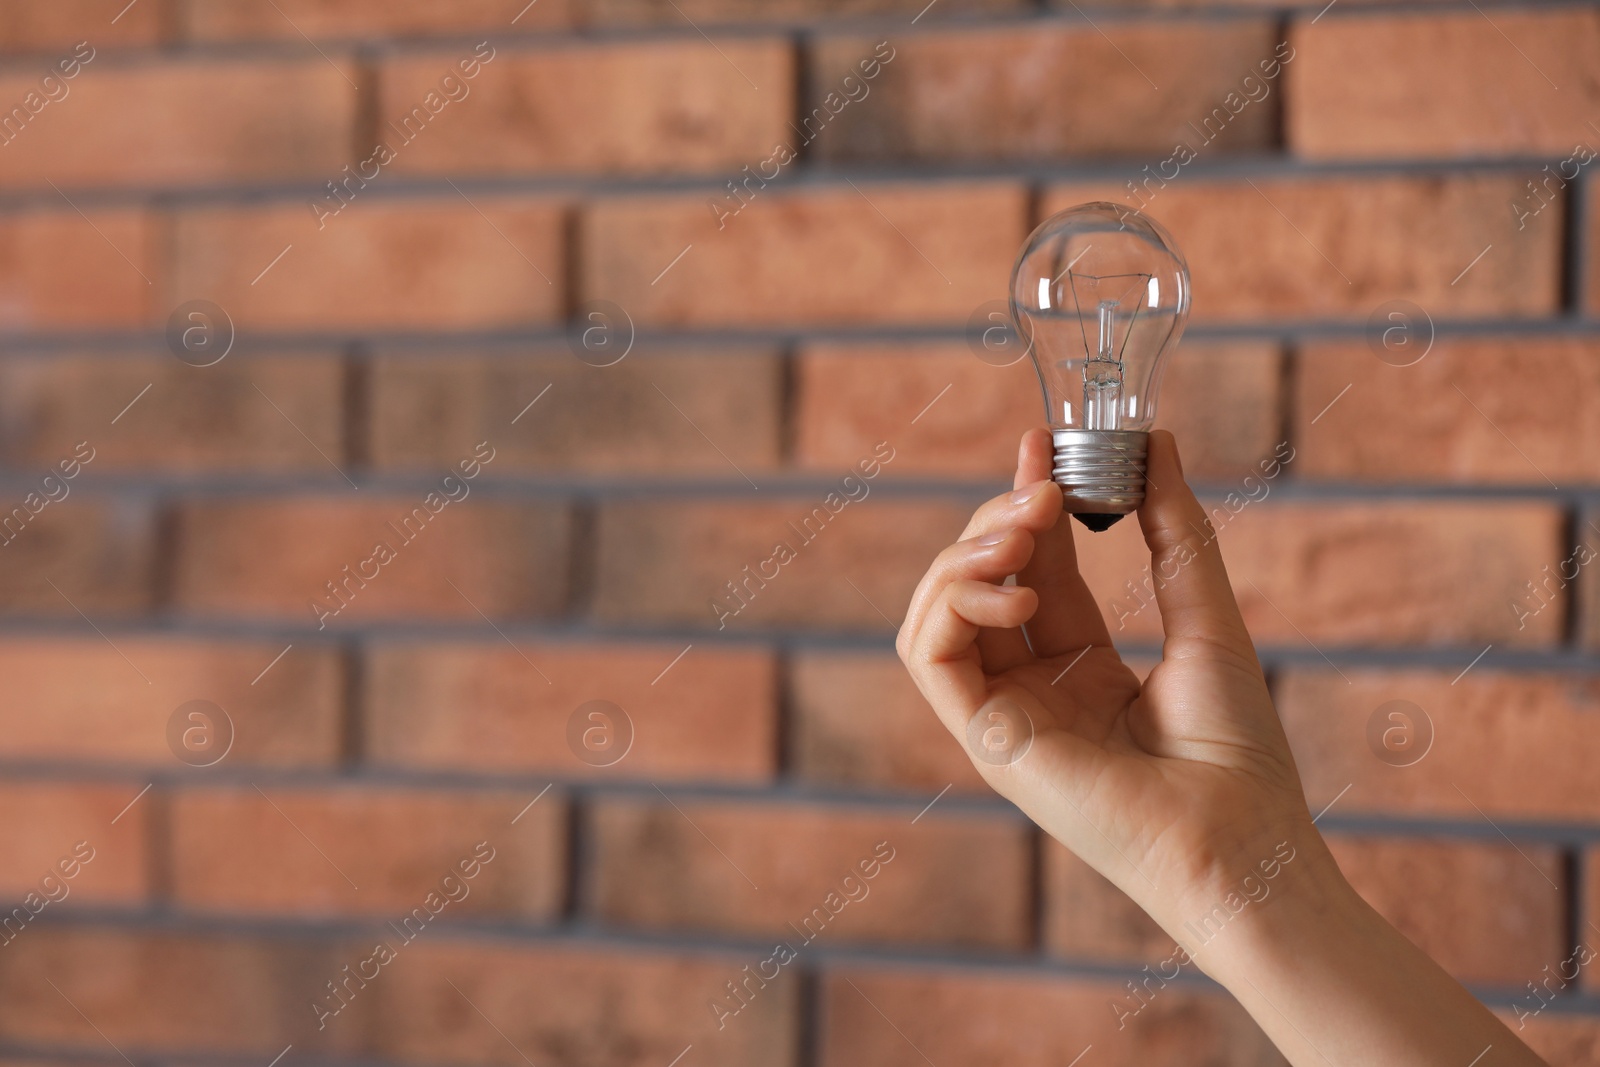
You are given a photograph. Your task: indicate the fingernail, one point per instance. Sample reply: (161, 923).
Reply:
(1027, 492)
(1009, 588)
(994, 537)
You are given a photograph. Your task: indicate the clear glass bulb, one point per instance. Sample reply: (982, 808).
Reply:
(1100, 295)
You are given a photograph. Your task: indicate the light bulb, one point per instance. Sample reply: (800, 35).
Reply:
(1100, 295)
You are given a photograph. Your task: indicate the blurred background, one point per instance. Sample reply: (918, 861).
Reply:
(401, 404)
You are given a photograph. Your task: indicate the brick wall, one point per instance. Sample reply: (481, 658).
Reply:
(419, 515)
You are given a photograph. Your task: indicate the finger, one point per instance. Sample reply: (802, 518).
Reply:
(1035, 457)
(944, 659)
(1191, 583)
(1068, 619)
(1034, 506)
(990, 557)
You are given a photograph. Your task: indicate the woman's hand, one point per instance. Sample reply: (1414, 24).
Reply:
(1175, 790)
(1182, 790)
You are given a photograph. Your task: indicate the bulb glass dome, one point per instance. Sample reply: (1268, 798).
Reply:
(1100, 294)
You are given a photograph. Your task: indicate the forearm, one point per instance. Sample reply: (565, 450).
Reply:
(1331, 982)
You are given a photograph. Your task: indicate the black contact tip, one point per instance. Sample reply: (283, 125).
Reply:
(1095, 521)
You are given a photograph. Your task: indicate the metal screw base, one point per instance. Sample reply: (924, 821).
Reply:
(1101, 473)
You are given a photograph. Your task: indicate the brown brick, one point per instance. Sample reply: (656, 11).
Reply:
(1088, 918)
(57, 27)
(887, 1017)
(1339, 247)
(584, 1003)
(216, 994)
(481, 708)
(64, 824)
(1509, 896)
(88, 704)
(98, 552)
(653, 12)
(859, 720)
(1588, 591)
(220, 417)
(1499, 411)
(669, 561)
(364, 19)
(1512, 746)
(372, 851)
(1355, 573)
(274, 558)
(379, 264)
(638, 108)
(59, 269)
(185, 123)
(1414, 101)
(1591, 239)
(1221, 401)
(973, 93)
(873, 254)
(653, 411)
(664, 863)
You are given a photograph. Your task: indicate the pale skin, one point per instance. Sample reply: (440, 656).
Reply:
(1180, 788)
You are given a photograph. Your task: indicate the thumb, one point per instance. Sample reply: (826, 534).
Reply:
(1191, 582)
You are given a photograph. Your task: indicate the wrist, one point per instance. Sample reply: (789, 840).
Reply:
(1265, 897)
(1293, 894)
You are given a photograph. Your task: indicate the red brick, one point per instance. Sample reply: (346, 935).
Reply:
(1499, 411)
(1588, 593)
(45, 845)
(58, 26)
(483, 708)
(974, 93)
(185, 123)
(888, 1017)
(661, 561)
(380, 264)
(218, 418)
(582, 1003)
(90, 705)
(370, 851)
(664, 863)
(653, 411)
(633, 12)
(1512, 746)
(98, 552)
(1355, 573)
(858, 720)
(1221, 401)
(59, 269)
(217, 995)
(364, 19)
(1414, 101)
(636, 108)
(873, 254)
(1507, 895)
(1088, 918)
(1339, 247)
(504, 559)
(1591, 239)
